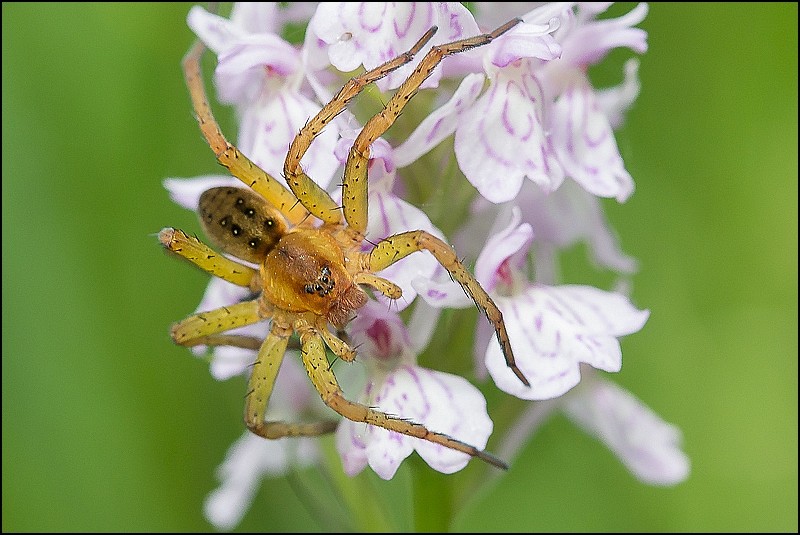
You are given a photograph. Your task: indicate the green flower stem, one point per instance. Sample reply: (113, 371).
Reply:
(432, 498)
(364, 503)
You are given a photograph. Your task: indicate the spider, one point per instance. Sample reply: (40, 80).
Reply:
(311, 269)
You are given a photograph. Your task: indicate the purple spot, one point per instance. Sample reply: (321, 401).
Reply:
(432, 132)
(436, 294)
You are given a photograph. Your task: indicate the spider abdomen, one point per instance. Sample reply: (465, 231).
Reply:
(304, 272)
(240, 222)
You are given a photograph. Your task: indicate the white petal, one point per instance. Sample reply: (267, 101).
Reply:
(440, 123)
(218, 33)
(246, 67)
(585, 144)
(269, 127)
(371, 33)
(553, 330)
(240, 474)
(501, 140)
(646, 444)
(569, 215)
(248, 460)
(458, 409)
(221, 293)
(614, 102)
(597, 311)
(228, 362)
(441, 291)
(513, 241)
(592, 40)
(442, 402)
(526, 41)
(186, 191)
(351, 445)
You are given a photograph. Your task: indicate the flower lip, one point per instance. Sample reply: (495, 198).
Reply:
(504, 255)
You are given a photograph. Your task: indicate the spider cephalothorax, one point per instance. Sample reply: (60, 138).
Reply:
(310, 269)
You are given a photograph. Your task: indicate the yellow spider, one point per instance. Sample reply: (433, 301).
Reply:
(309, 273)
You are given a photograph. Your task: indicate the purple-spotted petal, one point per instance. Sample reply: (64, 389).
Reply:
(371, 33)
(186, 191)
(501, 139)
(442, 402)
(596, 311)
(648, 446)
(585, 144)
(268, 128)
(440, 123)
(553, 329)
(441, 291)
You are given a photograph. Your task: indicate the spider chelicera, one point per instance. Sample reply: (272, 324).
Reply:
(310, 269)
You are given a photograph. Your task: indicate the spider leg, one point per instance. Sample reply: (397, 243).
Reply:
(313, 351)
(262, 379)
(387, 288)
(233, 340)
(315, 199)
(199, 326)
(354, 189)
(401, 245)
(339, 347)
(207, 259)
(228, 155)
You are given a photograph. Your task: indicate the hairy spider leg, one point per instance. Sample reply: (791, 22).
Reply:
(314, 198)
(313, 353)
(393, 248)
(198, 326)
(354, 188)
(204, 257)
(262, 379)
(228, 155)
(387, 288)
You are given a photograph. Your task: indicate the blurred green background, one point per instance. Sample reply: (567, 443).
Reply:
(107, 426)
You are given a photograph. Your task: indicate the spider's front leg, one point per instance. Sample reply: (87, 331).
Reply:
(354, 188)
(228, 155)
(315, 199)
(393, 248)
(316, 363)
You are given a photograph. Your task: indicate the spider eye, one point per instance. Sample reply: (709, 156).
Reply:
(254, 243)
(249, 212)
(309, 289)
(269, 222)
(224, 221)
(236, 230)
